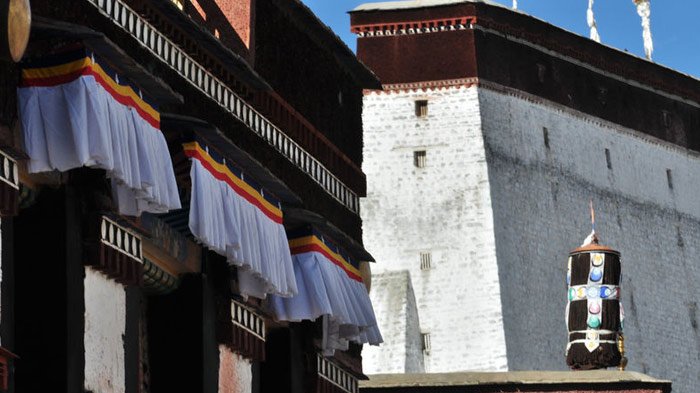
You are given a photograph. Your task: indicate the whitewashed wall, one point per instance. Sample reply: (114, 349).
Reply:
(397, 314)
(235, 372)
(105, 324)
(444, 209)
(492, 189)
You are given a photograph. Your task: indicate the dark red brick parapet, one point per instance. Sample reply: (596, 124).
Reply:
(476, 41)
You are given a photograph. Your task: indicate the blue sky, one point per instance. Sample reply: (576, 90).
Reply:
(675, 25)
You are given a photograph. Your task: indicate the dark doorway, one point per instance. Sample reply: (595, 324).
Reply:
(48, 295)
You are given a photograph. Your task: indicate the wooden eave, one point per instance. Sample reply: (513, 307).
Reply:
(295, 217)
(320, 33)
(175, 127)
(232, 61)
(207, 94)
(44, 28)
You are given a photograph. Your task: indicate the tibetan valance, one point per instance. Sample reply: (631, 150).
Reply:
(237, 219)
(330, 286)
(77, 112)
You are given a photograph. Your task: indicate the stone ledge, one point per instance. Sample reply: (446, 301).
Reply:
(509, 378)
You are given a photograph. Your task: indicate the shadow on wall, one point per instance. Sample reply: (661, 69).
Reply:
(231, 21)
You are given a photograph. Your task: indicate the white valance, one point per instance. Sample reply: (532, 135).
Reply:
(329, 287)
(74, 114)
(235, 220)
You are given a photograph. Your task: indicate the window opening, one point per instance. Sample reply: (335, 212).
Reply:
(419, 158)
(426, 261)
(422, 108)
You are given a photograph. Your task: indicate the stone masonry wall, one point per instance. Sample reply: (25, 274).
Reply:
(235, 372)
(540, 200)
(395, 307)
(443, 209)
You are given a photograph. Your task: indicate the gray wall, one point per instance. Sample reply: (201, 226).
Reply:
(540, 202)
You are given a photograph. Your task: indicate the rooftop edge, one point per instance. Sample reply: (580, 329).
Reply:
(411, 4)
(508, 378)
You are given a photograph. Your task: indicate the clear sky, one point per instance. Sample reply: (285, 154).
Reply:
(675, 25)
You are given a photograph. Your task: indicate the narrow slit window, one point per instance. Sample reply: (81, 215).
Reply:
(420, 158)
(665, 118)
(422, 108)
(426, 261)
(545, 137)
(669, 179)
(608, 161)
(426, 343)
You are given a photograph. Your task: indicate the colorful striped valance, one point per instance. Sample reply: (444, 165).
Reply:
(68, 67)
(315, 242)
(234, 178)
(237, 219)
(77, 112)
(330, 286)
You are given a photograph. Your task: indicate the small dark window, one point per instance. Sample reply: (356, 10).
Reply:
(545, 136)
(426, 261)
(541, 72)
(666, 118)
(422, 108)
(419, 158)
(669, 179)
(607, 158)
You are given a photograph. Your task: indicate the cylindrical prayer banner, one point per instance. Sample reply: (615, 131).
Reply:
(593, 313)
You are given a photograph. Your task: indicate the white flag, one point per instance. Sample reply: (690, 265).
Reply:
(644, 11)
(591, 22)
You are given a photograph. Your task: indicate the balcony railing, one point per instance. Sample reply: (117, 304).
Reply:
(197, 75)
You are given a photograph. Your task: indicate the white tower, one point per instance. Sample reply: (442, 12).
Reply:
(428, 211)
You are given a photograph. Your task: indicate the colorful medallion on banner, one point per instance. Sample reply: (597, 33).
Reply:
(593, 312)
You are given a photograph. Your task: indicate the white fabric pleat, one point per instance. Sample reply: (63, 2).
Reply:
(325, 290)
(231, 226)
(80, 124)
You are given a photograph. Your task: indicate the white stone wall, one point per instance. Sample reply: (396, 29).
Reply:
(540, 201)
(444, 209)
(105, 324)
(395, 307)
(235, 372)
(492, 190)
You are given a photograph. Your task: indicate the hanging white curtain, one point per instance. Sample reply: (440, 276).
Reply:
(331, 288)
(237, 221)
(75, 114)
